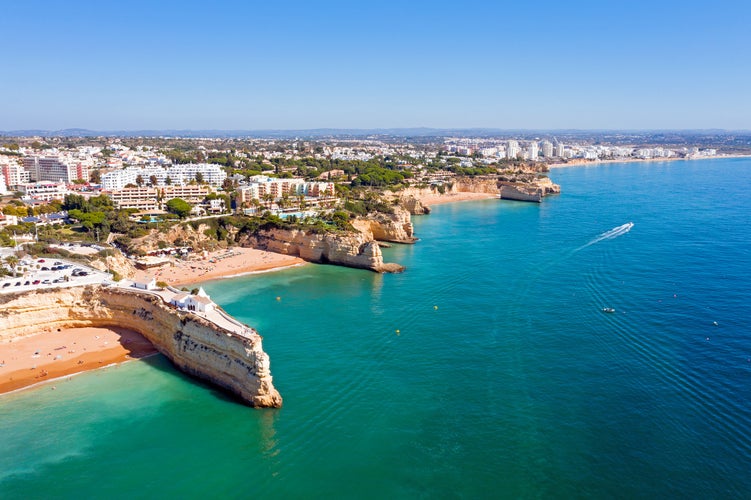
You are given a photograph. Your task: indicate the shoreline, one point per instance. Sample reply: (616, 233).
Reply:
(236, 261)
(581, 162)
(48, 356)
(440, 199)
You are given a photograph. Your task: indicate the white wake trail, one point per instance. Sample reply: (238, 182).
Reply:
(609, 235)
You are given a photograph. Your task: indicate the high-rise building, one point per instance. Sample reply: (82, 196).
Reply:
(559, 150)
(50, 168)
(15, 175)
(533, 150)
(512, 150)
(547, 149)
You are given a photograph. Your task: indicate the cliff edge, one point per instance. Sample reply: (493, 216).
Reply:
(352, 249)
(232, 359)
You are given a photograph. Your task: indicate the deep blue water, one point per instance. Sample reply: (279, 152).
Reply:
(487, 369)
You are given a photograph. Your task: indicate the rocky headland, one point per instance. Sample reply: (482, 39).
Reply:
(351, 249)
(394, 227)
(233, 360)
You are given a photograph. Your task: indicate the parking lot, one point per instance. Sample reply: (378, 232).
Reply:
(50, 273)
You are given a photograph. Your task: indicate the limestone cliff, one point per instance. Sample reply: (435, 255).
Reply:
(487, 185)
(116, 262)
(395, 227)
(521, 184)
(412, 203)
(352, 249)
(183, 234)
(231, 360)
(533, 190)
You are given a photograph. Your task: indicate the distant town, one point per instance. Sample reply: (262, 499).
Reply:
(99, 187)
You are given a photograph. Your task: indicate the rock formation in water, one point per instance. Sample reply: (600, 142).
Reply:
(395, 227)
(351, 249)
(533, 190)
(526, 186)
(232, 360)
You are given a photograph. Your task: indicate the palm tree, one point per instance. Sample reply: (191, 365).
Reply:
(268, 198)
(12, 261)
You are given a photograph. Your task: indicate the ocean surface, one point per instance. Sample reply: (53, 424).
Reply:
(487, 370)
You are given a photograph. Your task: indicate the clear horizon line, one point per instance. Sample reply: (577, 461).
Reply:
(369, 129)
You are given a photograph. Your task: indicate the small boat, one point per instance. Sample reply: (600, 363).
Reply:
(608, 310)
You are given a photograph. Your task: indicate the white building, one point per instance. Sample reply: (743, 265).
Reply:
(547, 149)
(512, 149)
(533, 151)
(15, 174)
(113, 181)
(259, 186)
(44, 191)
(146, 285)
(150, 198)
(181, 175)
(199, 302)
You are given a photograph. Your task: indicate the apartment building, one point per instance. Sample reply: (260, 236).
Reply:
(44, 191)
(54, 169)
(259, 186)
(178, 175)
(150, 198)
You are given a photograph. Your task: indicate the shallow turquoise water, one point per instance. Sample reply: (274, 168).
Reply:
(505, 379)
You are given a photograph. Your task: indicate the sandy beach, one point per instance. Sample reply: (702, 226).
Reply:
(232, 262)
(438, 199)
(51, 355)
(580, 162)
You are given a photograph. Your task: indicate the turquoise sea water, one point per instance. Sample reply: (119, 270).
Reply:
(505, 380)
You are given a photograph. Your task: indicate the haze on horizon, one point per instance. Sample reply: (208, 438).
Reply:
(233, 65)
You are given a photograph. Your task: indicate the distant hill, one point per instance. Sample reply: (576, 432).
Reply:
(417, 132)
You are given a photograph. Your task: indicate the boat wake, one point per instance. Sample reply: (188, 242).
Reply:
(609, 235)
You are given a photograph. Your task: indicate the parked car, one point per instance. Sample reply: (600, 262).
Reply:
(45, 268)
(58, 263)
(40, 261)
(6, 284)
(46, 282)
(35, 282)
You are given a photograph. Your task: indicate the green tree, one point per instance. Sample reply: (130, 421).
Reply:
(199, 177)
(139, 180)
(153, 180)
(12, 261)
(179, 207)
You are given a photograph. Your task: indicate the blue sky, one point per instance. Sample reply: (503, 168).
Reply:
(294, 64)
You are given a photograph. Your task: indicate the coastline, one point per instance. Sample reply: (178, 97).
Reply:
(439, 199)
(236, 261)
(48, 356)
(582, 162)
